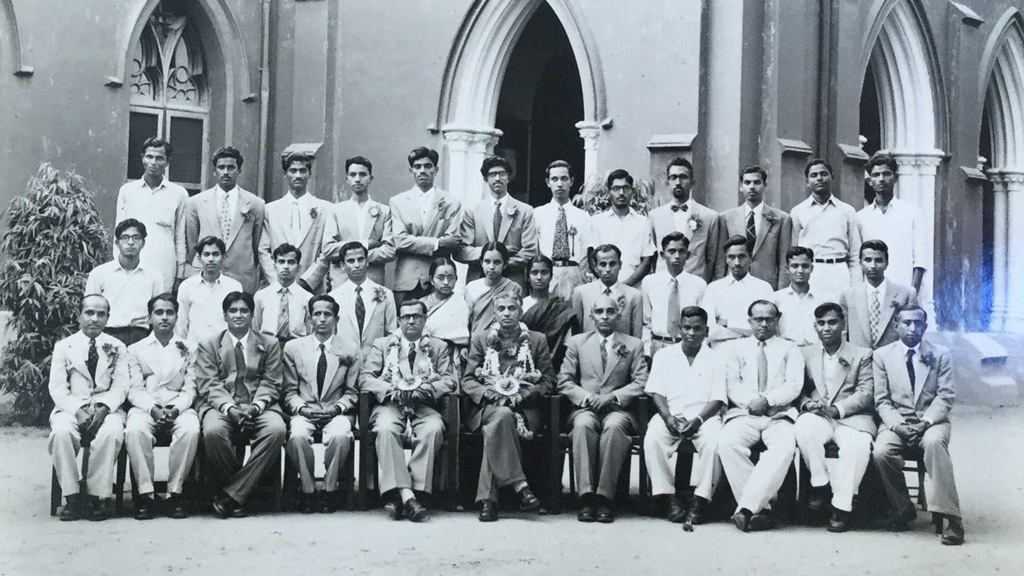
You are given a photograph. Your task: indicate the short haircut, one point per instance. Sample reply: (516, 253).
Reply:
(413, 302)
(882, 159)
(694, 312)
(680, 161)
(795, 251)
(237, 296)
(736, 240)
(289, 158)
(674, 237)
(129, 223)
(165, 297)
(439, 262)
(494, 161)
(323, 298)
(540, 259)
(557, 164)
(604, 248)
(762, 302)
(423, 152)
(754, 169)
(362, 161)
(827, 307)
(227, 152)
(911, 308)
(157, 143)
(875, 244)
(353, 245)
(494, 246)
(510, 295)
(284, 249)
(814, 162)
(208, 240)
(619, 174)
(81, 306)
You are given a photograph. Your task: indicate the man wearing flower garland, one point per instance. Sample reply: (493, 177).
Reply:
(608, 263)
(603, 372)
(509, 370)
(871, 307)
(564, 232)
(408, 372)
(684, 214)
(367, 308)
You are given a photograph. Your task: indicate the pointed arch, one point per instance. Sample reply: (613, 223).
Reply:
(1002, 86)
(10, 41)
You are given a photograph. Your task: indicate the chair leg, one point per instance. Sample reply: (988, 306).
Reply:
(350, 480)
(644, 490)
(55, 492)
(278, 472)
(922, 498)
(122, 465)
(937, 522)
(364, 471)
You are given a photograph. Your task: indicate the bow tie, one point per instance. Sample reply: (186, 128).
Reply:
(677, 207)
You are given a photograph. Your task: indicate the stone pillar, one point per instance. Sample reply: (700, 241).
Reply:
(590, 132)
(1008, 248)
(466, 149)
(916, 185)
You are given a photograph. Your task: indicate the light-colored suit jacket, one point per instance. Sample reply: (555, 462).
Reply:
(173, 385)
(473, 386)
(703, 240)
(855, 397)
(785, 377)
(341, 388)
(343, 227)
(381, 316)
(768, 262)
(415, 239)
(933, 395)
(70, 385)
(241, 261)
(854, 301)
(438, 361)
(216, 370)
(277, 230)
(518, 233)
(631, 307)
(624, 375)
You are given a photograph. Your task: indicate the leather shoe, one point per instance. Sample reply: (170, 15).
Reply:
(761, 521)
(144, 508)
(224, 507)
(308, 504)
(73, 510)
(527, 501)
(742, 520)
(604, 513)
(488, 511)
(415, 511)
(953, 535)
(676, 513)
(817, 498)
(695, 515)
(901, 523)
(840, 521)
(329, 502)
(394, 508)
(176, 508)
(98, 510)
(586, 513)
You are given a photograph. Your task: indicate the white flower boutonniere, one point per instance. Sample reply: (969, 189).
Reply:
(111, 351)
(511, 210)
(844, 362)
(695, 223)
(245, 213)
(374, 211)
(572, 231)
(620, 350)
(928, 359)
(378, 294)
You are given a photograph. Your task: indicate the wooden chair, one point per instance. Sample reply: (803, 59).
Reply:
(347, 476)
(56, 494)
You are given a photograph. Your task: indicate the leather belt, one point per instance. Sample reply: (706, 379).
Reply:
(842, 260)
(564, 263)
(669, 339)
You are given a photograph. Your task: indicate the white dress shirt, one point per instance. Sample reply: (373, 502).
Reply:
(656, 289)
(268, 308)
(870, 292)
(426, 202)
(830, 229)
(127, 291)
(726, 301)
(345, 295)
(304, 207)
(201, 313)
(631, 234)
(162, 211)
(546, 217)
(797, 321)
(902, 229)
(680, 218)
(785, 373)
(687, 387)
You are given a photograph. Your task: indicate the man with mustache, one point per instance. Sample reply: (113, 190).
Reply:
(684, 214)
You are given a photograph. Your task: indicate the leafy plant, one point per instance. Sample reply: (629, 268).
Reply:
(594, 196)
(54, 238)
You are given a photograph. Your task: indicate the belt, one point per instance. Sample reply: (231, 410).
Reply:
(842, 260)
(669, 339)
(564, 263)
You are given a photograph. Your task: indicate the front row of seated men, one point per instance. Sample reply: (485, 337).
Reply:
(775, 396)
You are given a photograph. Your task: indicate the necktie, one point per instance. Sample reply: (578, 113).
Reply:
(360, 310)
(241, 392)
(296, 216)
(497, 219)
(560, 247)
(876, 316)
(751, 231)
(284, 331)
(608, 291)
(604, 354)
(412, 357)
(225, 216)
(92, 359)
(321, 371)
(910, 370)
(673, 319)
(762, 368)
(678, 207)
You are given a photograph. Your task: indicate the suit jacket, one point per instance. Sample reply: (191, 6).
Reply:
(152, 384)
(473, 386)
(854, 301)
(703, 240)
(414, 239)
(518, 233)
(785, 377)
(933, 396)
(240, 261)
(381, 316)
(342, 226)
(624, 375)
(277, 230)
(70, 385)
(768, 262)
(301, 357)
(439, 361)
(855, 397)
(631, 307)
(216, 371)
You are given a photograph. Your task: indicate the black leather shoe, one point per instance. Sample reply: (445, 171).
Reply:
(309, 504)
(604, 512)
(953, 535)
(817, 498)
(488, 511)
(676, 513)
(415, 511)
(742, 519)
(586, 513)
(97, 510)
(329, 502)
(176, 507)
(527, 501)
(761, 521)
(144, 508)
(73, 510)
(224, 507)
(695, 514)
(839, 522)
(903, 522)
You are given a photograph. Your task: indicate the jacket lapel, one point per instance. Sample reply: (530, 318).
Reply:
(506, 220)
(244, 206)
(227, 355)
(209, 214)
(845, 364)
(923, 379)
(766, 224)
(816, 367)
(613, 361)
(887, 311)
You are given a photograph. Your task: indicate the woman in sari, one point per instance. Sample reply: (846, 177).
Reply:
(447, 317)
(480, 294)
(544, 312)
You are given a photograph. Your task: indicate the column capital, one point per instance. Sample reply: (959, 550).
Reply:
(1006, 179)
(470, 138)
(589, 132)
(920, 160)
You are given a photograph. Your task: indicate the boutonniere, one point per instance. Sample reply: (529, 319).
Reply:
(111, 351)
(894, 304)
(572, 231)
(844, 362)
(620, 350)
(182, 348)
(928, 359)
(694, 223)
(621, 301)
(511, 210)
(346, 360)
(260, 348)
(374, 211)
(378, 294)
(769, 217)
(314, 213)
(245, 212)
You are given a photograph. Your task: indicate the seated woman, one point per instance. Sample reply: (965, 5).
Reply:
(544, 312)
(480, 294)
(447, 317)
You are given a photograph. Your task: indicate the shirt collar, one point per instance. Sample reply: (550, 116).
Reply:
(916, 349)
(880, 289)
(326, 343)
(831, 200)
(733, 280)
(757, 210)
(161, 186)
(231, 192)
(216, 282)
(244, 339)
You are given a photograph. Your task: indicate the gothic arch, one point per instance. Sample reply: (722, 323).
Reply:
(1002, 89)
(10, 41)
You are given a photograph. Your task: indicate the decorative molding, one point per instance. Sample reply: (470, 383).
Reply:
(672, 141)
(10, 40)
(1007, 180)
(311, 148)
(853, 152)
(1004, 93)
(967, 16)
(974, 174)
(797, 147)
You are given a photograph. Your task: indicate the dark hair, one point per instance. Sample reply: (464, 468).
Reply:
(494, 246)
(875, 244)
(911, 308)
(157, 143)
(827, 307)
(81, 305)
(814, 162)
(439, 262)
(495, 161)
(422, 152)
(674, 237)
(882, 159)
(608, 248)
(557, 164)
(323, 298)
(353, 245)
(235, 296)
(754, 169)
(289, 158)
(226, 152)
(129, 223)
(762, 302)
(165, 297)
(736, 240)
(619, 174)
(540, 259)
(362, 161)
(287, 248)
(795, 251)
(413, 302)
(206, 241)
(694, 312)
(680, 161)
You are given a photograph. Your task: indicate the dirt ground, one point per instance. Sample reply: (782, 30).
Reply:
(988, 449)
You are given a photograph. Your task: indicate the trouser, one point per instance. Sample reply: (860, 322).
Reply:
(127, 334)
(226, 472)
(600, 446)
(502, 461)
(138, 437)
(830, 279)
(940, 486)
(66, 440)
(812, 432)
(660, 447)
(753, 486)
(337, 439)
(427, 437)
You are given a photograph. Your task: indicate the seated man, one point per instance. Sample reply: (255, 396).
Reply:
(836, 405)
(608, 262)
(88, 383)
(320, 393)
(504, 407)
(913, 396)
(603, 372)
(687, 385)
(163, 387)
(408, 372)
(763, 376)
(238, 375)
(367, 308)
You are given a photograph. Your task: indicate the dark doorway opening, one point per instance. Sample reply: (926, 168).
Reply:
(870, 123)
(987, 225)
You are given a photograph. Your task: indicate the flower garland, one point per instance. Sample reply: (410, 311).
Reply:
(509, 384)
(404, 391)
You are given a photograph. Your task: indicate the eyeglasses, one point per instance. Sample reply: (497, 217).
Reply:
(411, 317)
(131, 237)
(499, 174)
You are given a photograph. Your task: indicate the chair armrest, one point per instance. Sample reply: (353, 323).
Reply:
(555, 412)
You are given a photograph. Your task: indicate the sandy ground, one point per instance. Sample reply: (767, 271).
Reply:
(987, 450)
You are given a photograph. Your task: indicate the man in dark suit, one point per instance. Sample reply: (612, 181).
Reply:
(768, 231)
(870, 307)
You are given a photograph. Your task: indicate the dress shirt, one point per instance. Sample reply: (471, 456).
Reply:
(758, 211)
(830, 229)
(656, 289)
(680, 217)
(245, 343)
(869, 290)
(162, 210)
(362, 217)
(631, 234)
(347, 293)
(305, 205)
(127, 291)
(797, 321)
(687, 387)
(726, 301)
(201, 314)
(426, 199)
(229, 196)
(268, 307)
(902, 229)
(546, 217)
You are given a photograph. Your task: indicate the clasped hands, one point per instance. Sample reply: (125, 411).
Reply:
(421, 395)
(679, 426)
(910, 431)
(163, 416)
(600, 403)
(244, 417)
(819, 408)
(90, 417)
(320, 416)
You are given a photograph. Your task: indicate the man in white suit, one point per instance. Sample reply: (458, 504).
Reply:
(88, 383)
(163, 388)
(871, 306)
(367, 308)
(684, 214)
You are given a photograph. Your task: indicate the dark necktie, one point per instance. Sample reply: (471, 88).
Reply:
(608, 291)
(241, 392)
(678, 207)
(604, 354)
(560, 246)
(762, 368)
(673, 320)
(910, 370)
(497, 219)
(321, 371)
(412, 358)
(92, 360)
(360, 310)
(283, 317)
(751, 231)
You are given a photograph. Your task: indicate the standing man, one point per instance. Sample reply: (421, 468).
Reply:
(564, 232)
(684, 214)
(367, 308)
(425, 225)
(668, 291)
(872, 306)
(768, 230)
(828, 226)
(297, 218)
(200, 296)
(281, 308)
(499, 218)
(913, 396)
(160, 206)
(897, 223)
(126, 284)
(232, 214)
(88, 383)
(608, 262)
(727, 300)
(622, 227)
(797, 302)
(603, 372)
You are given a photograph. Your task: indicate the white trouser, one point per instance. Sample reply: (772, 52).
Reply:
(337, 438)
(138, 437)
(753, 486)
(66, 441)
(812, 432)
(830, 279)
(660, 454)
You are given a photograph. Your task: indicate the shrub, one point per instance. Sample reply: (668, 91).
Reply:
(594, 197)
(53, 239)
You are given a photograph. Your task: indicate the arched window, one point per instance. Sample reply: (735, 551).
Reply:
(170, 97)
